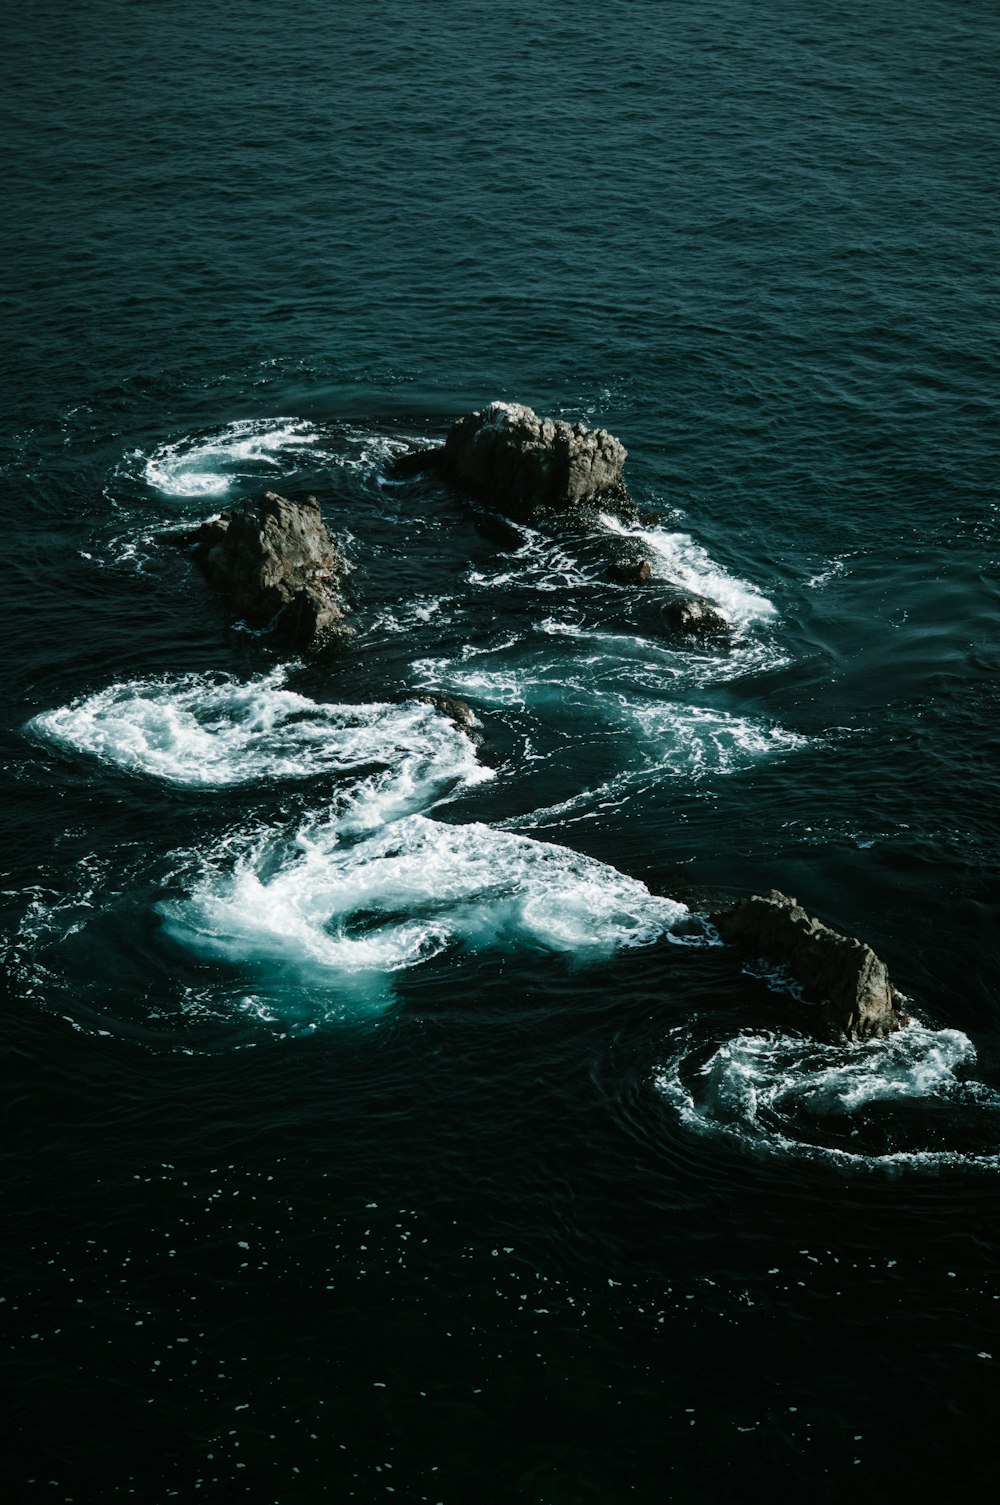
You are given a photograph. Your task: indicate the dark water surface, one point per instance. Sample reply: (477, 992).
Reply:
(378, 1126)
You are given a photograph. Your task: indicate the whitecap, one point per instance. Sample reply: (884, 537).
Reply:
(793, 1096)
(677, 557)
(206, 465)
(329, 906)
(617, 682)
(823, 577)
(215, 732)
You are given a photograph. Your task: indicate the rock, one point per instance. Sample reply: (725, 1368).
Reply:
(278, 566)
(509, 458)
(630, 570)
(561, 474)
(834, 969)
(694, 617)
(416, 462)
(458, 712)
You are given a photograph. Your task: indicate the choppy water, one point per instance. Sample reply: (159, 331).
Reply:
(384, 1120)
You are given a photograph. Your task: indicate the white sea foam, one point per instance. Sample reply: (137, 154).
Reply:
(791, 1096)
(330, 907)
(697, 740)
(410, 616)
(529, 670)
(653, 664)
(823, 577)
(207, 465)
(539, 563)
(677, 557)
(619, 683)
(670, 741)
(368, 454)
(205, 732)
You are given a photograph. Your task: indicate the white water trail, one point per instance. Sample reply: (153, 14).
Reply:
(207, 465)
(677, 557)
(198, 731)
(790, 1096)
(328, 905)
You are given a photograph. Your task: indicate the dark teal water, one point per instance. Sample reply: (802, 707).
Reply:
(369, 1132)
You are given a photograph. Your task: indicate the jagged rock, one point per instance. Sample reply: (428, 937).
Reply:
(694, 617)
(834, 969)
(278, 566)
(509, 458)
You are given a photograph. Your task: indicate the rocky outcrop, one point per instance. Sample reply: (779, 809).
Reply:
(694, 617)
(833, 969)
(415, 462)
(509, 458)
(561, 475)
(689, 616)
(277, 565)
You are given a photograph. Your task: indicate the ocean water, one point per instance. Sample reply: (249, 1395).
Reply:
(383, 1119)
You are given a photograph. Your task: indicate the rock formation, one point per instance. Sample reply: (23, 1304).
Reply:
(278, 566)
(510, 458)
(694, 617)
(543, 469)
(651, 603)
(458, 712)
(834, 969)
(630, 569)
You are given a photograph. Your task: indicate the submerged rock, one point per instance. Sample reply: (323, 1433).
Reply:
(630, 569)
(278, 566)
(416, 462)
(694, 617)
(458, 712)
(834, 969)
(655, 603)
(509, 458)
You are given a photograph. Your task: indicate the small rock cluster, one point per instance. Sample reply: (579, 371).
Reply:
(528, 468)
(279, 569)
